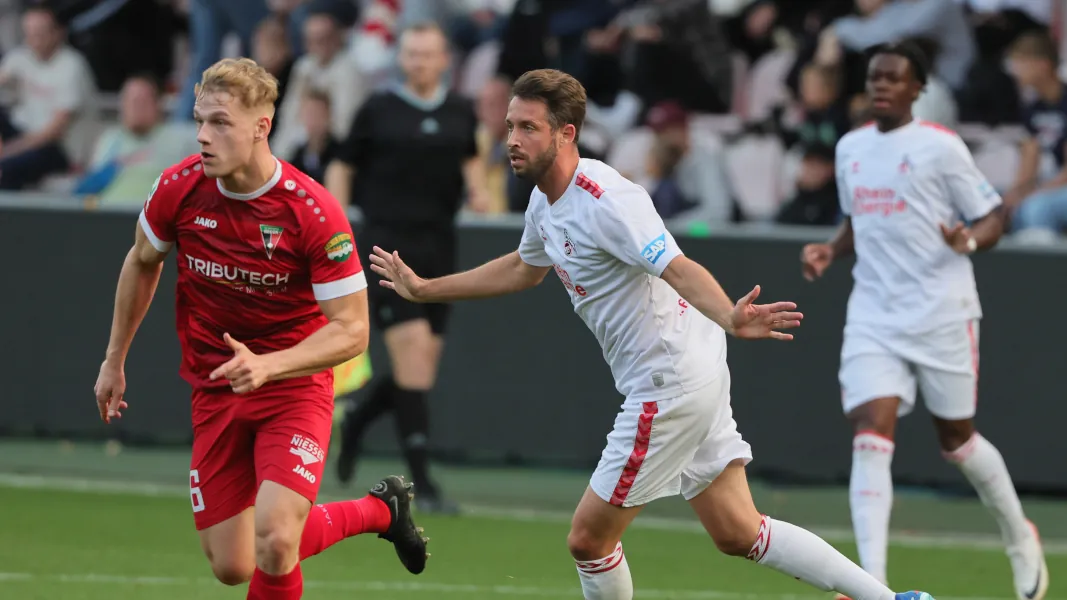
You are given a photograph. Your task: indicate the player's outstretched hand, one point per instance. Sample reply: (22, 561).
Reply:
(110, 388)
(815, 259)
(246, 371)
(958, 238)
(759, 321)
(396, 275)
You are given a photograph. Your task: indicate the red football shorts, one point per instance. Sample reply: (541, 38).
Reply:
(277, 434)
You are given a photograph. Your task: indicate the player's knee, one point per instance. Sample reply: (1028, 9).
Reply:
(736, 528)
(734, 541)
(230, 572)
(277, 549)
(878, 416)
(584, 544)
(952, 435)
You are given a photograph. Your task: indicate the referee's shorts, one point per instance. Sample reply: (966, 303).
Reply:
(429, 251)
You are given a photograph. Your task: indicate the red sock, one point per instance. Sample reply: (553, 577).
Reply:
(330, 523)
(276, 587)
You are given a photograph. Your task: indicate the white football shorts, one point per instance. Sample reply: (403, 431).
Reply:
(670, 447)
(942, 364)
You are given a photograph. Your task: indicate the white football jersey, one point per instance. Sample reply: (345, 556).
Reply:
(899, 187)
(609, 247)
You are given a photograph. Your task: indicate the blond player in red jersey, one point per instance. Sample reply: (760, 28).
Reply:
(270, 296)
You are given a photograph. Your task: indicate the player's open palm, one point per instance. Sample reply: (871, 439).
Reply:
(758, 321)
(110, 389)
(396, 275)
(815, 259)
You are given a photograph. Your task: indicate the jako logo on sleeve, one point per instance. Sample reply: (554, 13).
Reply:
(655, 249)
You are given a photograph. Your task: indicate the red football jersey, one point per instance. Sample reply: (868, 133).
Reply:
(251, 265)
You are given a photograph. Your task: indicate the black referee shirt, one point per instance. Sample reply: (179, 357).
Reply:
(408, 154)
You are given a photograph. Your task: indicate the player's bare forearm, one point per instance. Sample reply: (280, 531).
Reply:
(505, 275)
(987, 230)
(697, 286)
(342, 338)
(136, 287)
(333, 344)
(843, 242)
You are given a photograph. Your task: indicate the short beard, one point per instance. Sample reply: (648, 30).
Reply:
(539, 165)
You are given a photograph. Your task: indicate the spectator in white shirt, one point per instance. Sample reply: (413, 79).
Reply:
(55, 89)
(326, 67)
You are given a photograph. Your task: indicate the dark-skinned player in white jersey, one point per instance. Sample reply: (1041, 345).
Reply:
(916, 208)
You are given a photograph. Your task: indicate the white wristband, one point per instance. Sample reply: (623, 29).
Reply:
(972, 245)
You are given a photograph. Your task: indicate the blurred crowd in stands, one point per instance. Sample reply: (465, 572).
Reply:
(724, 110)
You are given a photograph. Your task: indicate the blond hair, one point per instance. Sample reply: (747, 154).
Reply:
(250, 83)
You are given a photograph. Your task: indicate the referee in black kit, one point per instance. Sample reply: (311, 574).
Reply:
(406, 162)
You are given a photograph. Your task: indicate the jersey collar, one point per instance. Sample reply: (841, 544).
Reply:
(427, 105)
(256, 194)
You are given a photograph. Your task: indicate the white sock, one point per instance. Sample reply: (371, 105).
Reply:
(984, 467)
(806, 557)
(607, 578)
(870, 494)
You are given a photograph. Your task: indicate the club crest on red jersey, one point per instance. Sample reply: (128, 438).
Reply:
(272, 235)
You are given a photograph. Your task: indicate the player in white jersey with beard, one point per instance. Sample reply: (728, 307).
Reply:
(907, 188)
(661, 321)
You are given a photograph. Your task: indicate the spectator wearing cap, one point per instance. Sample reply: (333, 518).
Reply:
(683, 174)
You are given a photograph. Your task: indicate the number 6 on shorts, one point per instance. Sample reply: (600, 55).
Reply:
(194, 491)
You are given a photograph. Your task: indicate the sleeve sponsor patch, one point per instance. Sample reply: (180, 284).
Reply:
(340, 247)
(655, 249)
